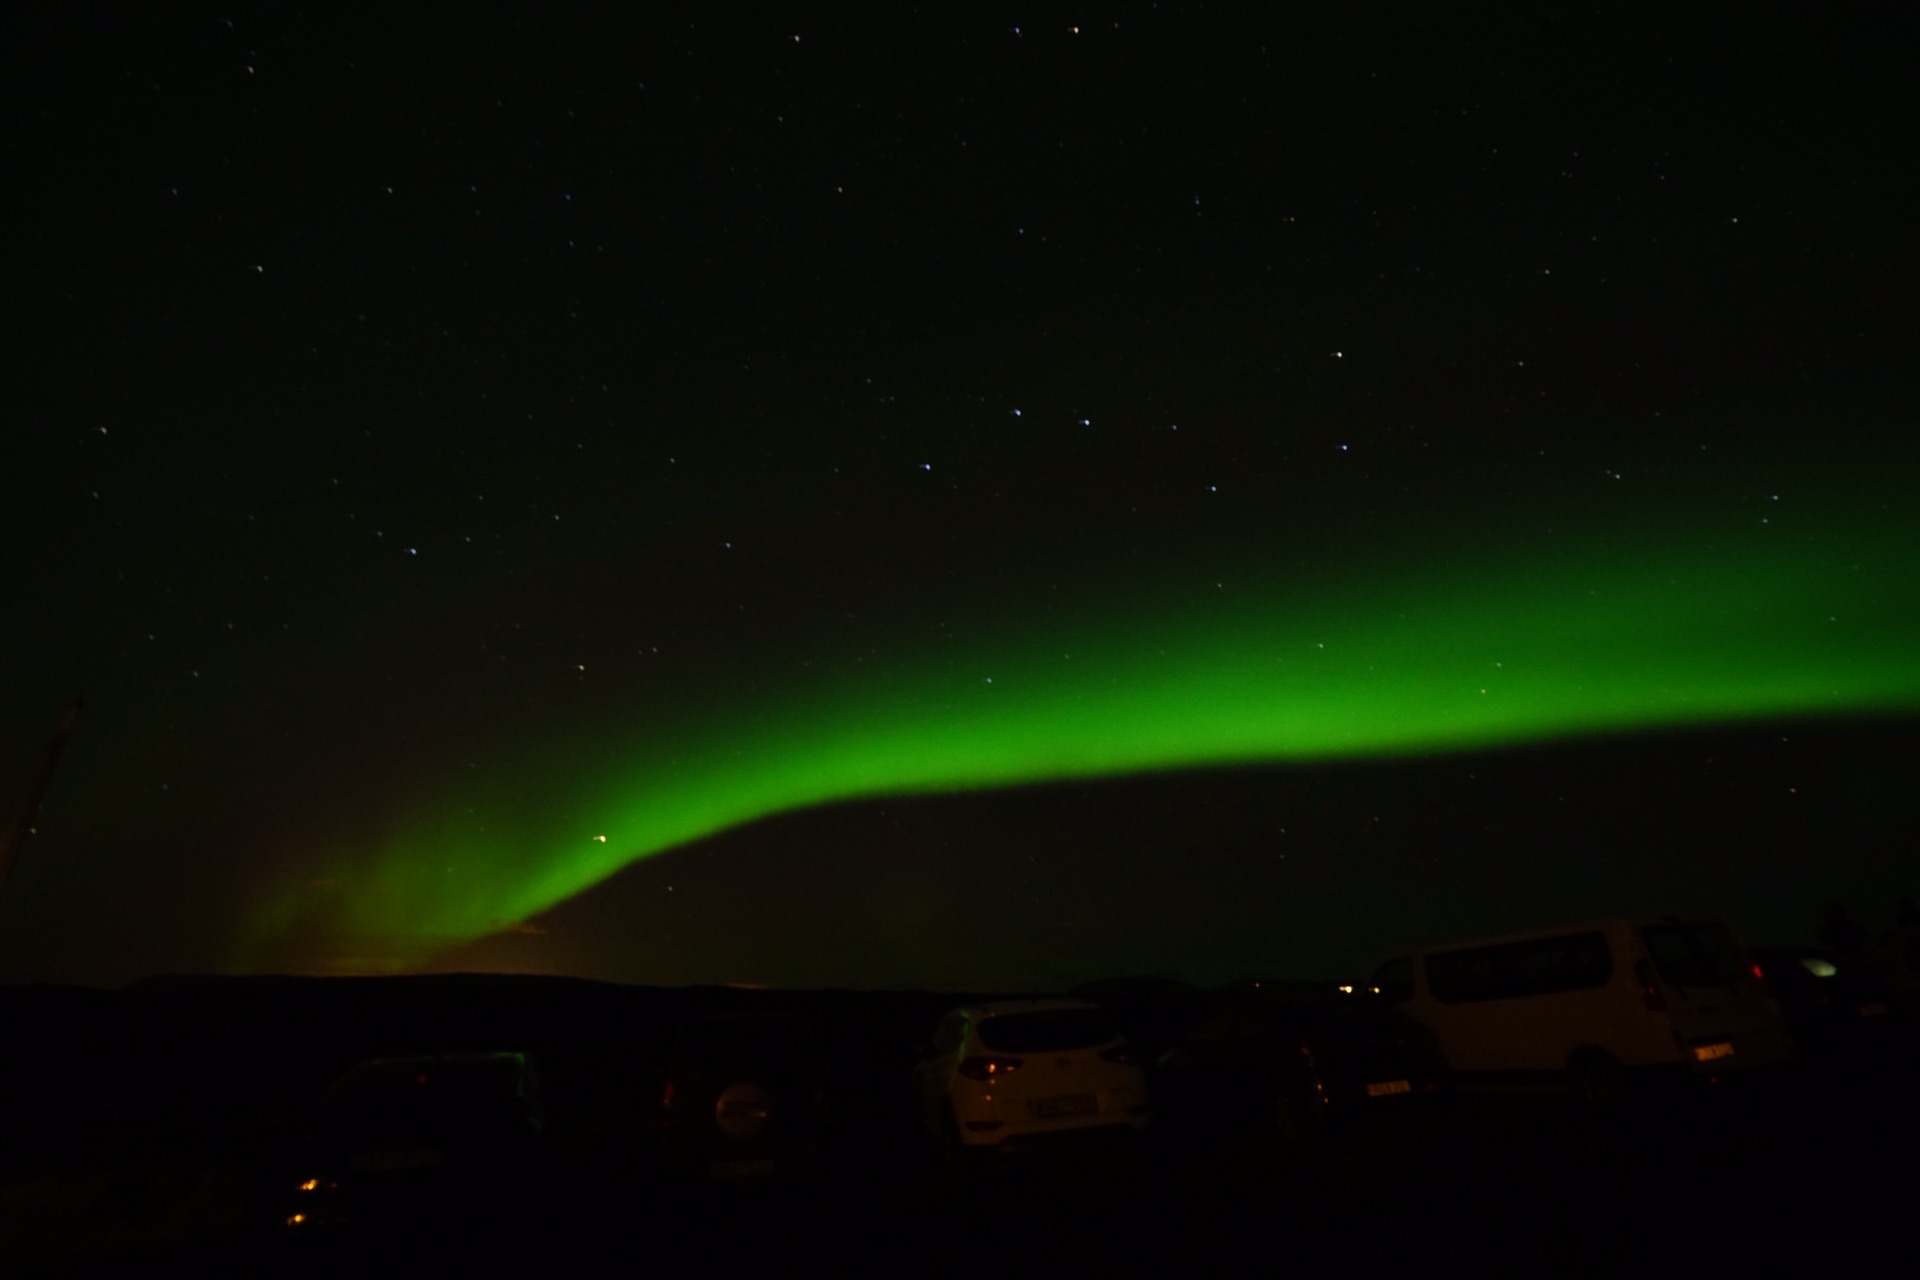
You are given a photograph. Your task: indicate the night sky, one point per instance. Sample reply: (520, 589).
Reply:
(958, 495)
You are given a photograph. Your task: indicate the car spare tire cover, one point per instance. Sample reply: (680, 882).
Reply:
(743, 1109)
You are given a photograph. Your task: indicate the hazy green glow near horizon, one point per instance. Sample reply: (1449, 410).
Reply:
(1474, 655)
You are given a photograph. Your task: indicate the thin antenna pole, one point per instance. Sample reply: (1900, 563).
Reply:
(13, 837)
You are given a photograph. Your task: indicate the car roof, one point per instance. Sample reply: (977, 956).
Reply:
(1605, 924)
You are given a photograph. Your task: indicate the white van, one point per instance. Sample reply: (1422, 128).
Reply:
(1590, 1006)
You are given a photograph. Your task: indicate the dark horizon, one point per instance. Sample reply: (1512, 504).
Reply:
(1763, 825)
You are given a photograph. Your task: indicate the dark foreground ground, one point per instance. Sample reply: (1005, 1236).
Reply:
(1814, 1171)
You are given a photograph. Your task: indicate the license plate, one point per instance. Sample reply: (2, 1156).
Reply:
(1078, 1104)
(1708, 1052)
(1873, 1011)
(1381, 1088)
(381, 1161)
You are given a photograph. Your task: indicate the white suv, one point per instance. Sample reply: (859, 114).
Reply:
(999, 1074)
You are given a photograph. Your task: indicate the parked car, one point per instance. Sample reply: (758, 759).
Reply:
(1007, 1074)
(744, 1098)
(440, 1139)
(1597, 1008)
(1151, 1012)
(1288, 1068)
(1832, 1004)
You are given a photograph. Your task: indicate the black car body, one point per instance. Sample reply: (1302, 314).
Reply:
(1831, 1003)
(744, 1099)
(1291, 1068)
(455, 1139)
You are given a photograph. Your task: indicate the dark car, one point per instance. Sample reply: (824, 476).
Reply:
(1831, 1003)
(1286, 1069)
(744, 1099)
(453, 1139)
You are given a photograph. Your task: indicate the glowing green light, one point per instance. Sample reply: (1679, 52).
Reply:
(1442, 657)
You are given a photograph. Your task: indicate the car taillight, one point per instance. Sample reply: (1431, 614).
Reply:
(1758, 973)
(1649, 986)
(666, 1097)
(1121, 1053)
(989, 1069)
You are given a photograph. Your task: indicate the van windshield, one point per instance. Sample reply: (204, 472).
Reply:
(1694, 955)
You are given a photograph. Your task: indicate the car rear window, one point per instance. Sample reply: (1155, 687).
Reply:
(1047, 1031)
(1694, 955)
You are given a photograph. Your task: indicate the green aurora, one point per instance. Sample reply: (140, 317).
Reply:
(1473, 652)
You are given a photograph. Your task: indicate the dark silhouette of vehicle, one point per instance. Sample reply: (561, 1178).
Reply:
(1289, 1068)
(1151, 1012)
(744, 1099)
(1831, 1003)
(442, 1140)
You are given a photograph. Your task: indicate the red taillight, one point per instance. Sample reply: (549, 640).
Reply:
(666, 1097)
(1121, 1053)
(1758, 974)
(986, 1070)
(1649, 986)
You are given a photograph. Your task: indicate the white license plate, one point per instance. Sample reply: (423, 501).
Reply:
(1709, 1052)
(1078, 1104)
(381, 1161)
(1381, 1088)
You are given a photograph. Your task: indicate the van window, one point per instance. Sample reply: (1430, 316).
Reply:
(1542, 966)
(1699, 954)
